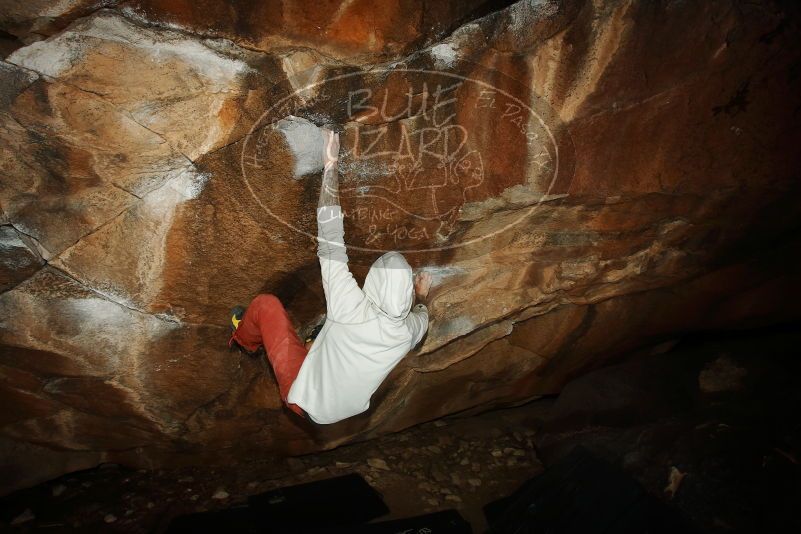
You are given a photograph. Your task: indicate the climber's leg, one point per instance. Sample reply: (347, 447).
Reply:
(266, 323)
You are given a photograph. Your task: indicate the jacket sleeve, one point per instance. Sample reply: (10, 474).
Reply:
(342, 294)
(418, 323)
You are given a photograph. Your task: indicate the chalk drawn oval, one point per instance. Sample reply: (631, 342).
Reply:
(421, 150)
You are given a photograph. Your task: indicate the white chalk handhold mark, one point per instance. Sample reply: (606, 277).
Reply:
(306, 142)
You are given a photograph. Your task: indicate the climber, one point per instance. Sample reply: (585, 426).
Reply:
(367, 331)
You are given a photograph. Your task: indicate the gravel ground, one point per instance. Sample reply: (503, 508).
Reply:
(460, 463)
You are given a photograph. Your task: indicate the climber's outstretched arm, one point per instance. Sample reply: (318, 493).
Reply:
(329, 191)
(342, 293)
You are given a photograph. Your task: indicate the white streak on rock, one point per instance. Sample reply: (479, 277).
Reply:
(57, 54)
(148, 224)
(439, 274)
(159, 208)
(609, 32)
(139, 16)
(523, 15)
(444, 55)
(115, 318)
(46, 58)
(165, 45)
(303, 69)
(215, 133)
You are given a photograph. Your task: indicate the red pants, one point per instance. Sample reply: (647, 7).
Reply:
(267, 323)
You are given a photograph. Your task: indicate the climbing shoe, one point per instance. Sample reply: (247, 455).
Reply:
(236, 315)
(237, 312)
(311, 332)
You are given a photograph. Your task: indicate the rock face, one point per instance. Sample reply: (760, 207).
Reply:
(581, 178)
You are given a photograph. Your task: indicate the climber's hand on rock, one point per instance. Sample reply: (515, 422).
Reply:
(331, 150)
(422, 284)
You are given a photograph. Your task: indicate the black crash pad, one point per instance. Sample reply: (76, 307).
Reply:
(444, 522)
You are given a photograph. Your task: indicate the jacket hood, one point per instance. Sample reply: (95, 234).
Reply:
(389, 285)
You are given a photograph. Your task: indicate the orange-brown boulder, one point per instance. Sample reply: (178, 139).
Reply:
(582, 179)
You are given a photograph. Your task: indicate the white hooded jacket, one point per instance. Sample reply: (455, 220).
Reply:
(366, 333)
